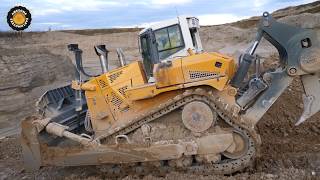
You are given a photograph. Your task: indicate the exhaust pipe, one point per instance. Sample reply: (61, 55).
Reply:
(121, 57)
(102, 52)
(78, 57)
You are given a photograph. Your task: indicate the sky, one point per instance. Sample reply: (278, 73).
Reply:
(97, 14)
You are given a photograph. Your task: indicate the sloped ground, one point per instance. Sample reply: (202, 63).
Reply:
(34, 62)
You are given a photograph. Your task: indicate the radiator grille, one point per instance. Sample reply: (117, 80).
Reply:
(123, 90)
(201, 74)
(115, 100)
(102, 83)
(114, 76)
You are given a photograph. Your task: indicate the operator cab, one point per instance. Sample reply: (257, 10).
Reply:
(169, 39)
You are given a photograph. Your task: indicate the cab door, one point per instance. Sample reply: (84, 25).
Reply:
(149, 51)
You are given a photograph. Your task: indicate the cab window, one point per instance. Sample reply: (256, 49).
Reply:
(169, 41)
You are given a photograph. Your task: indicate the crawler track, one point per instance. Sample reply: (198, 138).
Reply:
(225, 166)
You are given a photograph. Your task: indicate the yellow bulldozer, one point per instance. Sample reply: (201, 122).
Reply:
(180, 108)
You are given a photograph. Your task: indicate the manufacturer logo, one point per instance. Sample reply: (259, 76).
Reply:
(19, 18)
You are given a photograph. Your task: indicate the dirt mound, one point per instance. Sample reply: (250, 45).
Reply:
(23, 75)
(310, 8)
(95, 32)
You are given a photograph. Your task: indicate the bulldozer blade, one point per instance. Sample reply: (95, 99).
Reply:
(311, 98)
(30, 145)
(60, 106)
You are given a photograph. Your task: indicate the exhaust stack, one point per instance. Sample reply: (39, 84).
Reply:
(121, 57)
(102, 52)
(78, 56)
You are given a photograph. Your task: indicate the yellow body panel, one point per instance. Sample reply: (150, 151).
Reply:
(168, 76)
(210, 69)
(121, 96)
(149, 91)
(99, 109)
(108, 99)
(206, 65)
